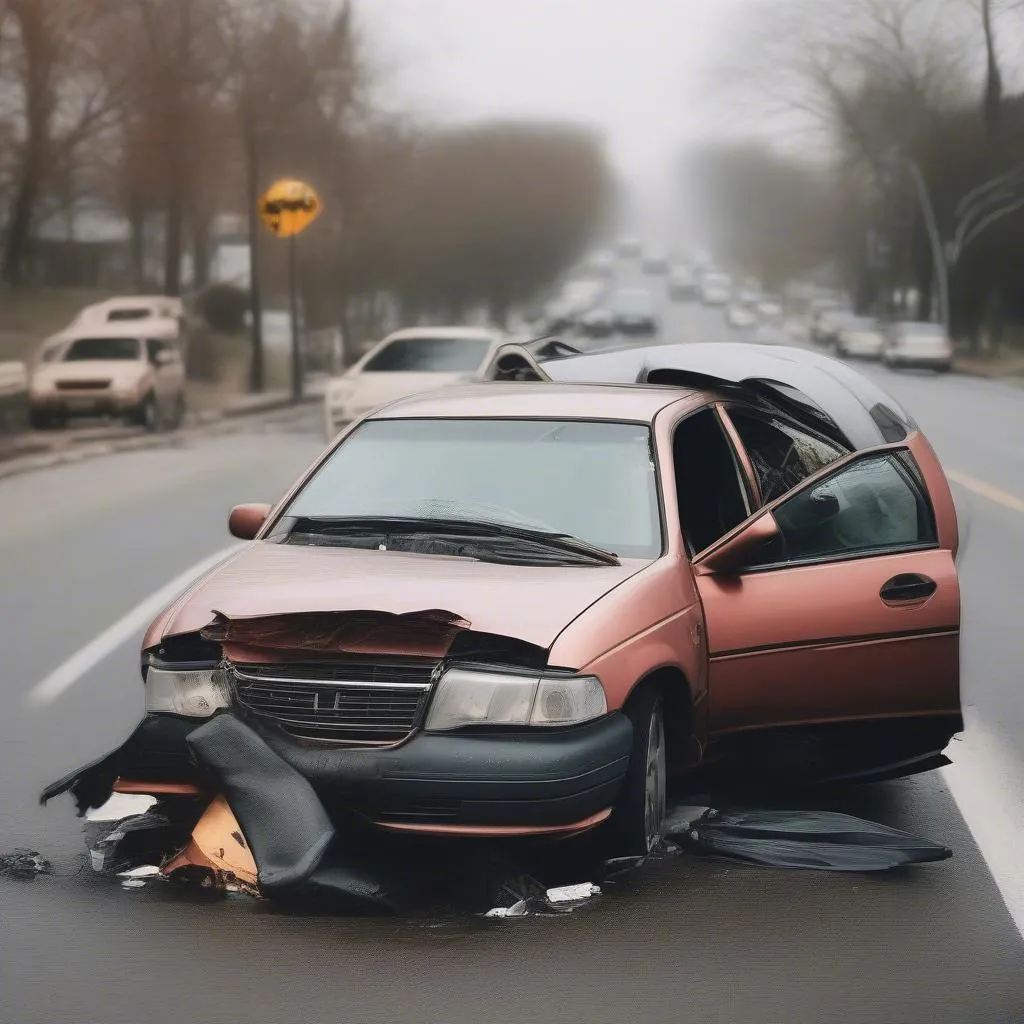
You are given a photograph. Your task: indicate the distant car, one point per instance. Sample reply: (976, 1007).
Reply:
(769, 309)
(860, 337)
(629, 247)
(748, 297)
(740, 316)
(826, 324)
(918, 344)
(405, 363)
(715, 289)
(682, 284)
(655, 261)
(797, 330)
(132, 370)
(634, 311)
(602, 264)
(597, 323)
(770, 334)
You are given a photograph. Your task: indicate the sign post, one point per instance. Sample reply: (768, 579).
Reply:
(287, 208)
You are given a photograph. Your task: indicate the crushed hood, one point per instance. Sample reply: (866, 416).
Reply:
(530, 603)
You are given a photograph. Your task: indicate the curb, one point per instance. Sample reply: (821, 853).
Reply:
(41, 456)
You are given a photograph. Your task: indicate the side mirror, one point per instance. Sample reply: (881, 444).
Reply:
(245, 520)
(732, 555)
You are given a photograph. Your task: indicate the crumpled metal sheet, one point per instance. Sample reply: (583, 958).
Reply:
(816, 840)
(428, 633)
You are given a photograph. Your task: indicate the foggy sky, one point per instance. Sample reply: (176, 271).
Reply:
(635, 69)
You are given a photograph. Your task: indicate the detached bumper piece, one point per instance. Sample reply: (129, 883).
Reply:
(820, 840)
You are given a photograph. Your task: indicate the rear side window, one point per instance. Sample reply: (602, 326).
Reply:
(873, 506)
(782, 455)
(429, 355)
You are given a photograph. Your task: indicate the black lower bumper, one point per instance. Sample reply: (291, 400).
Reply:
(527, 778)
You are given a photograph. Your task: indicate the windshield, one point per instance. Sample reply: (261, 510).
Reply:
(717, 281)
(134, 313)
(593, 481)
(861, 323)
(102, 348)
(429, 355)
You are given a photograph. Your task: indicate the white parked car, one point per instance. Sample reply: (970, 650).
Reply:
(132, 370)
(405, 363)
(740, 316)
(715, 289)
(769, 309)
(860, 337)
(918, 344)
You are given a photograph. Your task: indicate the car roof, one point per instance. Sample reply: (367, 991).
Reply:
(537, 400)
(808, 385)
(154, 327)
(426, 333)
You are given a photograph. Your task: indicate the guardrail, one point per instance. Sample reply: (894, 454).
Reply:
(13, 397)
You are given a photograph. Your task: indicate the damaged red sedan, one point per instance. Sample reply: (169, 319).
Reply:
(515, 608)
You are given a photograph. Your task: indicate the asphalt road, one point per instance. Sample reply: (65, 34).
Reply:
(681, 940)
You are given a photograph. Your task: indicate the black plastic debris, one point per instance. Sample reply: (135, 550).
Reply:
(816, 840)
(280, 813)
(118, 846)
(24, 865)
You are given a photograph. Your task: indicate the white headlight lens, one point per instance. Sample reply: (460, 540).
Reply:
(196, 693)
(467, 696)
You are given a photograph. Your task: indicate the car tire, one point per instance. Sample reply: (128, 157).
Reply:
(638, 817)
(177, 417)
(147, 414)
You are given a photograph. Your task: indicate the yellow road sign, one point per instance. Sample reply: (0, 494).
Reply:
(289, 206)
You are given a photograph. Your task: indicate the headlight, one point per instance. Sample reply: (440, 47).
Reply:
(470, 696)
(340, 392)
(196, 692)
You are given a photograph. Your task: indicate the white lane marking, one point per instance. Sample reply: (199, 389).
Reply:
(987, 791)
(1000, 497)
(66, 675)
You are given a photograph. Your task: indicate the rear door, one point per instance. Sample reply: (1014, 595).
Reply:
(853, 612)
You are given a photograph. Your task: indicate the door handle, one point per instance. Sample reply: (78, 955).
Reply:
(908, 586)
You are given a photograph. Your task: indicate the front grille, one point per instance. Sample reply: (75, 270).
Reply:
(357, 702)
(82, 385)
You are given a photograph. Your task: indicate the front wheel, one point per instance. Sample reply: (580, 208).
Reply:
(638, 817)
(147, 414)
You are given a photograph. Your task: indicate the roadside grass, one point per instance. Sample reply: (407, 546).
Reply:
(27, 316)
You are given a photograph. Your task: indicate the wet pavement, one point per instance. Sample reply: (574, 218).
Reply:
(683, 938)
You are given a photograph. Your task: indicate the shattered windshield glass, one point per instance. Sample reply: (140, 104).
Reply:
(594, 481)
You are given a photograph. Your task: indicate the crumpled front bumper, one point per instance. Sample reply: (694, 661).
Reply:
(291, 797)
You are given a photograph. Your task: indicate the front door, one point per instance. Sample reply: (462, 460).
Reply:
(853, 612)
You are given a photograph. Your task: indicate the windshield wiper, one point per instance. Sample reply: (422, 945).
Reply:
(354, 525)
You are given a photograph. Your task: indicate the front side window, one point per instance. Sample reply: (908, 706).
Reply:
(876, 505)
(712, 499)
(429, 355)
(781, 454)
(594, 481)
(102, 348)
